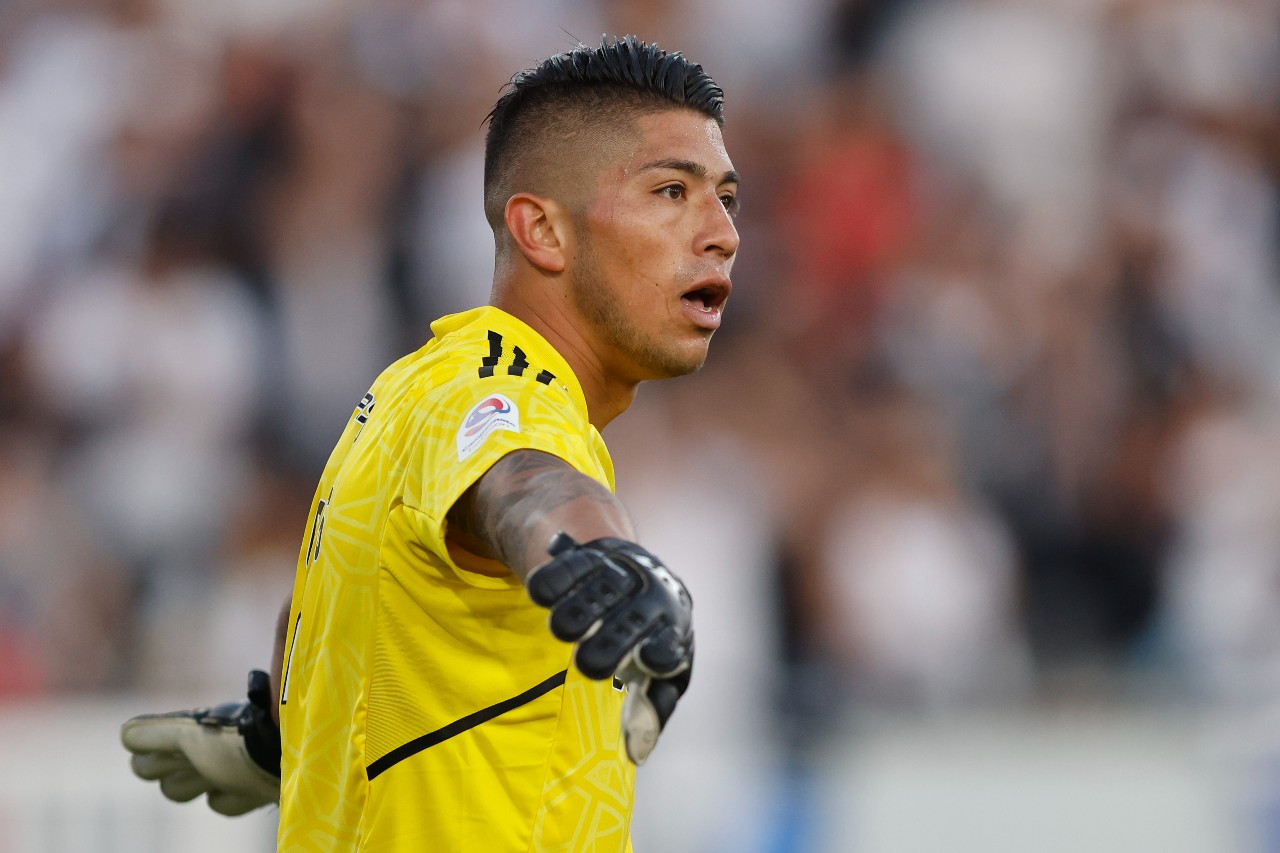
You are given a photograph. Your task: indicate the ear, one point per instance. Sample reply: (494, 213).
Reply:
(539, 228)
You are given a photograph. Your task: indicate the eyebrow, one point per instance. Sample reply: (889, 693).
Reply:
(691, 167)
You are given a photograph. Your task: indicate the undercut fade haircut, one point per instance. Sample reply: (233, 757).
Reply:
(581, 90)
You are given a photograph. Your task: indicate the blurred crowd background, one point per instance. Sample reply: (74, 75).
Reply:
(994, 421)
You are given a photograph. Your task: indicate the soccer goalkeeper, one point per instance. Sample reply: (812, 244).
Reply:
(424, 701)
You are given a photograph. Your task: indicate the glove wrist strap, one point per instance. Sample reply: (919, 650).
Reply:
(260, 733)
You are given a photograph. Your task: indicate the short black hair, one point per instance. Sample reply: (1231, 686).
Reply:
(624, 73)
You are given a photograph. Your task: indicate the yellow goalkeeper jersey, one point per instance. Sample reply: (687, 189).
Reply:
(425, 705)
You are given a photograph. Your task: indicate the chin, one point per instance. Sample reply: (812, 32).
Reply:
(669, 365)
(686, 369)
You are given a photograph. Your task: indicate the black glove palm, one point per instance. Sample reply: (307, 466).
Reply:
(631, 617)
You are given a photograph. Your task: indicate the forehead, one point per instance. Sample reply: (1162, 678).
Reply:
(678, 135)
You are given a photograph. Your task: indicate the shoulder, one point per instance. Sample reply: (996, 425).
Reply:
(487, 351)
(489, 342)
(466, 394)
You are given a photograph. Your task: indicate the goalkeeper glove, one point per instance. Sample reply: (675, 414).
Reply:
(630, 617)
(230, 752)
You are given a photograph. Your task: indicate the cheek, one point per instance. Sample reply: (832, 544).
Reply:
(640, 257)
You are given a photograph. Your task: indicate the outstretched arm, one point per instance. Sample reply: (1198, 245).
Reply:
(230, 753)
(629, 616)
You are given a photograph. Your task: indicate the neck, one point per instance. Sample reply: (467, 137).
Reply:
(550, 312)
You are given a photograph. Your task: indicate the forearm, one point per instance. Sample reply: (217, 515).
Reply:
(514, 510)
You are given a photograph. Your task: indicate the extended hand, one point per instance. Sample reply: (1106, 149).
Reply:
(630, 617)
(230, 752)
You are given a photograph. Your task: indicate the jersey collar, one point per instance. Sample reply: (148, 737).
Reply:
(519, 333)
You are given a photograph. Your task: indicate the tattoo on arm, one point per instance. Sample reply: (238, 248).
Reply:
(507, 508)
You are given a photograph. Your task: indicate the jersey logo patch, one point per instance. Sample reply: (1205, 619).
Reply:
(491, 414)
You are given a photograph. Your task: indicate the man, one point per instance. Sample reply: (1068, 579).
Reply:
(423, 702)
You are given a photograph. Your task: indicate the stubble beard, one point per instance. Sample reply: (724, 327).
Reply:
(596, 301)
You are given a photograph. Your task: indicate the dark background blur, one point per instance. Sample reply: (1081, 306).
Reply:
(992, 431)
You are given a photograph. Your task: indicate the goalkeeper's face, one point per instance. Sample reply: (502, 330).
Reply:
(654, 247)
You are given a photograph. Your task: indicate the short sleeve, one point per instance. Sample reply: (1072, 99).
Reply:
(470, 424)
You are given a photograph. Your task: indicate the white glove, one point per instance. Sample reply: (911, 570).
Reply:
(227, 752)
(648, 705)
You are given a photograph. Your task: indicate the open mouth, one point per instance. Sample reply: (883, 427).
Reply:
(703, 304)
(708, 297)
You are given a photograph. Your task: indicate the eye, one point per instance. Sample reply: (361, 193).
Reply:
(672, 191)
(730, 202)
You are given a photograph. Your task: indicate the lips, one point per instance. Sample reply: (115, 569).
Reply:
(704, 303)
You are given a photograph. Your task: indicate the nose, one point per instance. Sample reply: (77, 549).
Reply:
(718, 235)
